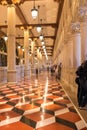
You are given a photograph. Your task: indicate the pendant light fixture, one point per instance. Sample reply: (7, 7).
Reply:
(34, 12)
(38, 27)
(41, 37)
(5, 38)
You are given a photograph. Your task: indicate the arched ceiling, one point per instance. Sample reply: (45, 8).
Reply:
(49, 17)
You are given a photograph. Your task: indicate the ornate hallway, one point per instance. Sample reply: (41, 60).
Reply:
(38, 103)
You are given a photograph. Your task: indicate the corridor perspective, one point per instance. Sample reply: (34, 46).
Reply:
(43, 64)
(38, 103)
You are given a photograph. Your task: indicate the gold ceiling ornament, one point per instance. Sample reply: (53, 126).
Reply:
(22, 27)
(3, 2)
(35, 39)
(16, 1)
(29, 27)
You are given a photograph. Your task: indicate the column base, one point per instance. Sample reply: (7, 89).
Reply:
(11, 76)
(26, 73)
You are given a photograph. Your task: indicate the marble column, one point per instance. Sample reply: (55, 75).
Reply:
(32, 51)
(76, 45)
(83, 24)
(11, 49)
(26, 52)
(76, 50)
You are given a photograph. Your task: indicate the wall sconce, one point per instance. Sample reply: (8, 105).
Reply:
(34, 12)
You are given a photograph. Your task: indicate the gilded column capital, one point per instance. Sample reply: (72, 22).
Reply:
(75, 27)
(83, 13)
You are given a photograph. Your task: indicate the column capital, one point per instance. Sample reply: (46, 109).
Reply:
(83, 13)
(75, 27)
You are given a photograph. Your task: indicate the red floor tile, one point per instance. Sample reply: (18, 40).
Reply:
(38, 116)
(27, 107)
(53, 97)
(3, 101)
(70, 116)
(13, 96)
(33, 97)
(55, 126)
(16, 126)
(64, 101)
(8, 91)
(9, 114)
(5, 106)
(53, 107)
(42, 101)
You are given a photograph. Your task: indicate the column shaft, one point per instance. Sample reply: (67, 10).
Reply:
(76, 50)
(11, 61)
(26, 54)
(83, 41)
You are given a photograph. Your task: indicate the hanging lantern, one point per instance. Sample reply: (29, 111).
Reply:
(34, 12)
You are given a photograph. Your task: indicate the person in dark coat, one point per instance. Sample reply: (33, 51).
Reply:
(59, 71)
(81, 80)
(36, 72)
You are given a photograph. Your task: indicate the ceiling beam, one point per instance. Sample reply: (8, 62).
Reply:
(58, 17)
(20, 15)
(2, 33)
(33, 25)
(53, 37)
(46, 46)
(21, 2)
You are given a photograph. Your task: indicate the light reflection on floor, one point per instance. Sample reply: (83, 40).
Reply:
(37, 103)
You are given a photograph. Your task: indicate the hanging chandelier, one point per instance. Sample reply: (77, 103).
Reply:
(5, 38)
(42, 42)
(34, 12)
(41, 37)
(38, 27)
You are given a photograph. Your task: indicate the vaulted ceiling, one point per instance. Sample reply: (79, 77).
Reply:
(49, 17)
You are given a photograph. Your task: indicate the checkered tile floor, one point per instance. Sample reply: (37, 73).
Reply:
(37, 104)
